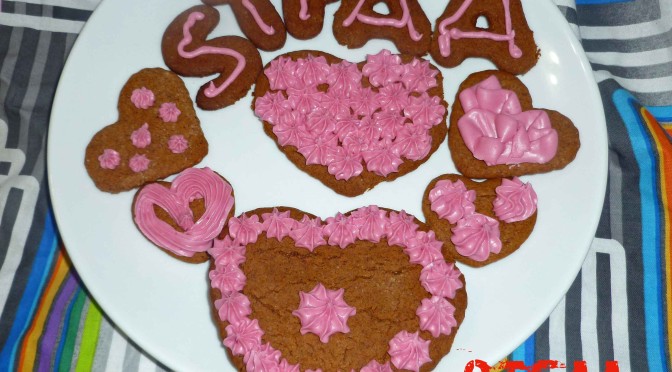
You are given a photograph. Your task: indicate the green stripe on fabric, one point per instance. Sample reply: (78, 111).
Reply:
(73, 328)
(87, 347)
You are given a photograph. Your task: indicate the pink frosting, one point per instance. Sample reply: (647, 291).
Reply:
(308, 233)
(374, 366)
(405, 21)
(286, 367)
(177, 144)
(227, 278)
(409, 351)
(476, 236)
(401, 228)
(515, 201)
(141, 137)
(267, 29)
(418, 76)
(233, 307)
(497, 131)
(441, 279)
(303, 10)
(451, 200)
(262, 358)
(350, 128)
(424, 249)
(340, 230)
(227, 251)
(139, 163)
(436, 316)
(277, 224)
(323, 312)
(243, 337)
(109, 159)
(245, 229)
(142, 98)
(189, 185)
(371, 221)
(168, 112)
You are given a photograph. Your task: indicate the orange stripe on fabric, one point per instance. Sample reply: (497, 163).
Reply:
(29, 344)
(664, 148)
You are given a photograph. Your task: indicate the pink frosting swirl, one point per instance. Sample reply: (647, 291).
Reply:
(308, 233)
(243, 337)
(383, 68)
(340, 230)
(371, 221)
(425, 110)
(393, 97)
(401, 228)
(497, 131)
(245, 229)
(142, 98)
(412, 142)
(262, 358)
(344, 77)
(286, 367)
(168, 112)
(441, 279)
(227, 251)
(436, 316)
(109, 159)
(364, 101)
(323, 312)
(424, 248)
(139, 163)
(290, 129)
(476, 236)
(409, 351)
(281, 73)
(313, 70)
(451, 200)
(177, 144)
(374, 366)
(189, 185)
(277, 224)
(515, 201)
(345, 164)
(141, 137)
(233, 307)
(381, 159)
(271, 106)
(319, 149)
(418, 76)
(227, 278)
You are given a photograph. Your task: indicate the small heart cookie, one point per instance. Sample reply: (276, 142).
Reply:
(157, 134)
(480, 222)
(349, 125)
(496, 132)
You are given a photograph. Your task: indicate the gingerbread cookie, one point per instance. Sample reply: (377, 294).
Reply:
(352, 126)
(187, 52)
(495, 131)
(480, 222)
(406, 25)
(304, 18)
(183, 217)
(364, 290)
(258, 20)
(507, 40)
(157, 134)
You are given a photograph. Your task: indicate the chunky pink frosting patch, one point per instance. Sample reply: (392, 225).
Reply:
(142, 98)
(515, 201)
(409, 351)
(141, 137)
(169, 113)
(436, 316)
(476, 236)
(139, 163)
(497, 131)
(109, 159)
(451, 200)
(177, 144)
(243, 337)
(440, 278)
(350, 128)
(324, 312)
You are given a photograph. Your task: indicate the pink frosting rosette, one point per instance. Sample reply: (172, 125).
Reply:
(451, 200)
(476, 236)
(515, 201)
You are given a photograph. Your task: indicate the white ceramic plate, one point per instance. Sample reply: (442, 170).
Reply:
(161, 303)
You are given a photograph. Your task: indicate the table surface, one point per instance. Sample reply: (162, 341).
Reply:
(616, 309)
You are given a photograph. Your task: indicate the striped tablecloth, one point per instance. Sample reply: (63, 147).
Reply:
(619, 307)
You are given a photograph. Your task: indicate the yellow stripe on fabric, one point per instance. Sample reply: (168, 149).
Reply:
(87, 348)
(29, 345)
(664, 149)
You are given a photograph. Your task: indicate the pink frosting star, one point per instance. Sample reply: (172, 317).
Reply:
(409, 351)
(227, 251)
(109, 159)
(323, 312)
(441, 279)
(451, 200)
(436, 316)
(424, 248)
(142, 98)
(277, 224)
(371, 221)
(233, 307)
(263, 358)
(138, 163)
(308, 233)
(245, 229)
(141, 137)
(243, 336)
(374, 366)
(383, 68)
(168, 112)
(401, 228)
(228, 278)
(340, 230)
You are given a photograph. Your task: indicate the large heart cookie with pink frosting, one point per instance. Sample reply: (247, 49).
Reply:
(157, 134)
(480, 222)
(496, 132)
(350, 125)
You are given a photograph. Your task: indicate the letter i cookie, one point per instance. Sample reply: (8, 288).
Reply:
(304, 18)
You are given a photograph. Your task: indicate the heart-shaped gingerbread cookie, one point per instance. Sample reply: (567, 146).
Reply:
(157, 134)
(496, 132)
(480, 222)
(352, 126)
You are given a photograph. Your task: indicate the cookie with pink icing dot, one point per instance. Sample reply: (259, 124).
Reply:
(479, 222)
(156, 134)
(352, 125)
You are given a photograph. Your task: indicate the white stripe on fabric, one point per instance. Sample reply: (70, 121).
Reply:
(619, 300)
(115, 357)
(634, 31)
(41, 23)
(74, 4)
(655, 85)
(589, 345)
(557, 349)
(640, 59)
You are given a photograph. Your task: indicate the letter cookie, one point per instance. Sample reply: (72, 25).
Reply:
(304, 18)
(507, 41)
(258, 20)
(356, 22)
(187, 52)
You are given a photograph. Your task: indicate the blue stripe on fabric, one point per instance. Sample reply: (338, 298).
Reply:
(648, 185)
(525, 352)
(519, 353)
(662, 113)
(66, 325)
(31, 296)
(598, 2)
